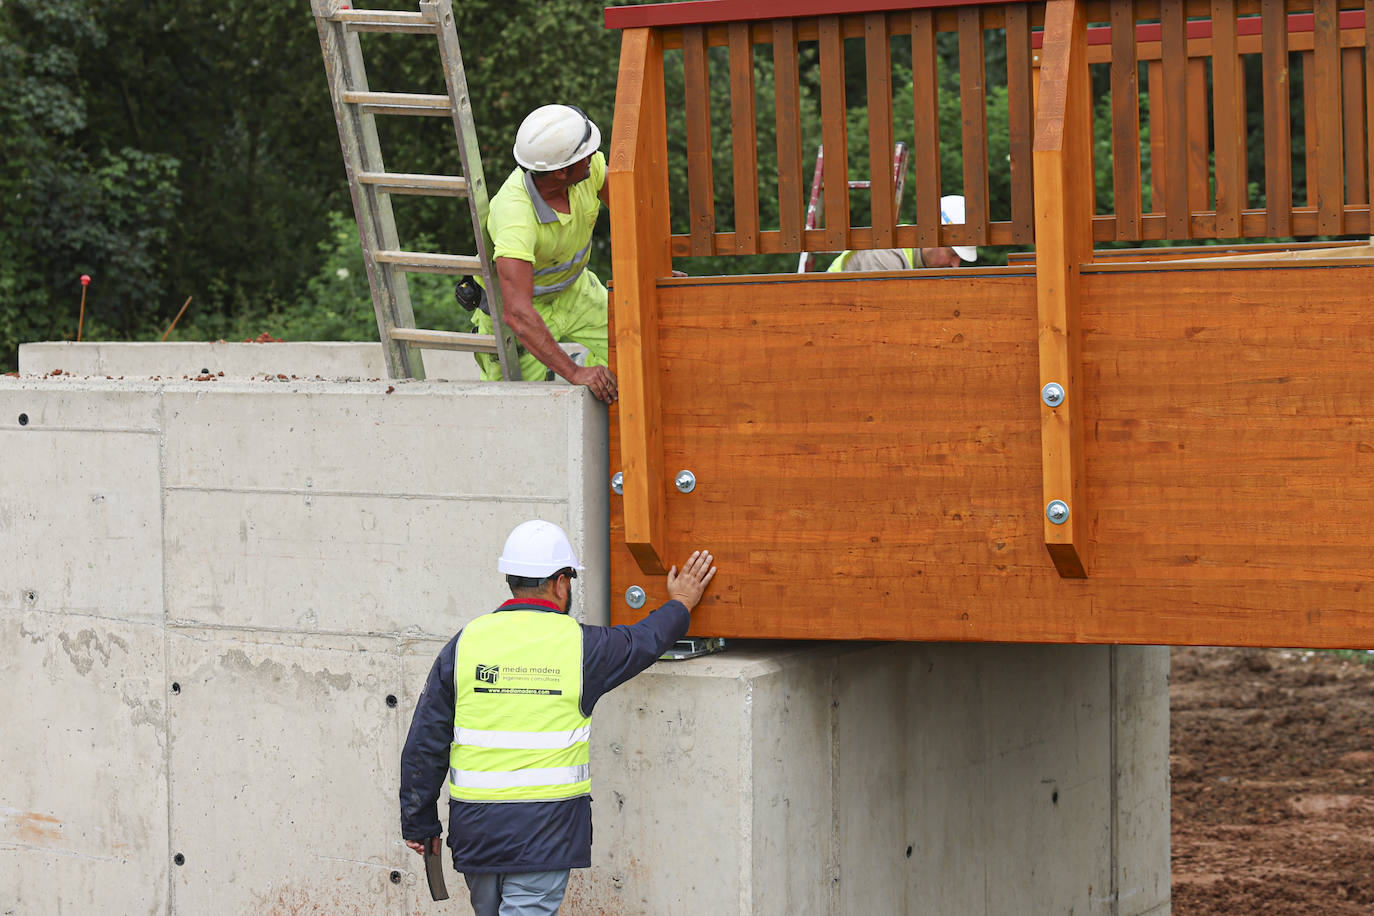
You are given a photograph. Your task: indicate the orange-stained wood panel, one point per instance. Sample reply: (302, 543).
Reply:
(867, 451)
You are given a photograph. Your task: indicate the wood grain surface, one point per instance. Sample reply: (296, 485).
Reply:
(868, 458)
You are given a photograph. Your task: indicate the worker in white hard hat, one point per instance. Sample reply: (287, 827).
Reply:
(951, 211)
(504, 723)
(540, 223)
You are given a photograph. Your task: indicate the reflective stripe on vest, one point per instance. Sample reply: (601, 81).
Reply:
(518, 732)
(521, 740)
(549, 776)
(579, 261)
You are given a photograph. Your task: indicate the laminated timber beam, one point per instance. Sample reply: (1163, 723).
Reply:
(637, 176)
(1062, 155)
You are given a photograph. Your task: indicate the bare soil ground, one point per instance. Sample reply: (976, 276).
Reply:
(1272, 759)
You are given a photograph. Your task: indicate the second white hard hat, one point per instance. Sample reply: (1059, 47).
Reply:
(537, 549)
(952, 211)
(555, 136)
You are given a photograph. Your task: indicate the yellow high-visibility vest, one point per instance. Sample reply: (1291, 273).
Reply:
(518, 730)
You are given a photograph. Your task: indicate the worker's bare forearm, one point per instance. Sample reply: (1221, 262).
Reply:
(517, 295)
(534, 336)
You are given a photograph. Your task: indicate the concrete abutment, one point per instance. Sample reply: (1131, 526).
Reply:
(221, 598)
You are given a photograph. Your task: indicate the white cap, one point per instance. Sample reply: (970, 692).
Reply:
(536, 550)
(952, 211)
(554, 137)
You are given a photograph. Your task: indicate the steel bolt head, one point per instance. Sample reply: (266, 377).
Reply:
(618, 482)
(1052, 394)
(1057, 511)
(634, 596)
(686, 481)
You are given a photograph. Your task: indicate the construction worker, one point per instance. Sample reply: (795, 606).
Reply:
(951, 211)
(540, 223)
(504, 721)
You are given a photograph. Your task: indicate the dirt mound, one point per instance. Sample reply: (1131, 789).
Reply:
(1272, 762)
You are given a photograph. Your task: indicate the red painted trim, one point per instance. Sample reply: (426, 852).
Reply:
(1246, 25)
(707, 12)
(537, 601)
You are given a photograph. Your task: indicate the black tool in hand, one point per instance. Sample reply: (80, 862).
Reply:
(434, 869)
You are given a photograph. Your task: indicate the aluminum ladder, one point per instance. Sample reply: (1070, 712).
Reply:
(371, 185)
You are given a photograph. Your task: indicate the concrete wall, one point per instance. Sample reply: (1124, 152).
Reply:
(885, 778)
(221, 598)
(325, 359)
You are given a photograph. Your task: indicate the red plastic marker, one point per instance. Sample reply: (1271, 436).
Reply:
(85, 282)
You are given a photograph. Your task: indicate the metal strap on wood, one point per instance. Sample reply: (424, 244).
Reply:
(371, 185)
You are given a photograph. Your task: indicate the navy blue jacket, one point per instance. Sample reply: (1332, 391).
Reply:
(519, 836)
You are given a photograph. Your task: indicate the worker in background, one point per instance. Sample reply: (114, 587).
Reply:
(503, 725)
(951, 211)
(540, 223)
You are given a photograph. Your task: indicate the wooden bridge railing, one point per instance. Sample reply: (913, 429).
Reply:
(1199, 178)
(1199, 128)
(1194, 53)
(791, 42)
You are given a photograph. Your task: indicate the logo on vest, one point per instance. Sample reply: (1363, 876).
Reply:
(540, 680)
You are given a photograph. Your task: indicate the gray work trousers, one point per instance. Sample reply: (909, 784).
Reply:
(534, 893)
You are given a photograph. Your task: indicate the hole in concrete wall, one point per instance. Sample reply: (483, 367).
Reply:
(176, 687)
(23, 419)
(179, 859)
(908, 852)
(1054, 798)
(395, 877)
(391, 700)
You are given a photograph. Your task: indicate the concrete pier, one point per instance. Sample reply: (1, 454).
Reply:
(221, 598)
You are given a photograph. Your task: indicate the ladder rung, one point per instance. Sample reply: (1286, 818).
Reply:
(446, 340)
(384, 21)
(424, 263)
(400, 103)
(431, 185)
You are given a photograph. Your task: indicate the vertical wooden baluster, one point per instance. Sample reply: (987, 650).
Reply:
(878, 55)
(1228, 119)
(974, 107)
(1125, 121)
(1311, 164)
(1278, 141)
(834, 136)
(1326, 57)
(1369, 101)
(744, 137)
(1021, 122)
(791, 196)
(1174, 51)
(1154, 73)
(1199, 139)
(701, 194)
(1352, 103)
(925, 146)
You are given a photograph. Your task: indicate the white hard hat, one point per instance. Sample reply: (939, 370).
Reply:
(536, 550)
(952, 211)
(555, 136)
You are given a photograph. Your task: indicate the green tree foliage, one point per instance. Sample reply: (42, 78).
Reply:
(188, 148)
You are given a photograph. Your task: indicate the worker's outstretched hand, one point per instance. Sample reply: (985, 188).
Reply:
(688, 585)
(419, 846)
(599, 379)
